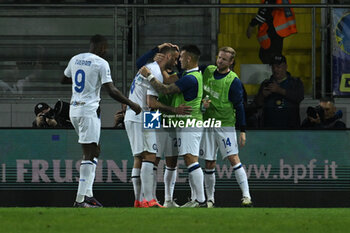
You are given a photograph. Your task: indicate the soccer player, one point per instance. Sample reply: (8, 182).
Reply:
(88, 72)
(165, 137)
(225, 104)
(144, 145)
(188, 90)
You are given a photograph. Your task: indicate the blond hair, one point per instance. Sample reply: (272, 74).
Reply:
(227, 49)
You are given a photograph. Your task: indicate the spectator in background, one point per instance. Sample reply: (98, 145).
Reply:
(274, 25)
(44, 116)
(279, 97)
(47, 117)
(324, 116)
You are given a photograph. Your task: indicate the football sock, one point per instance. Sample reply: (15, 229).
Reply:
(193, 193)
(89, 192)
(195, 175)
(209, 181)
(155, 182)
(147, 179)
(136, 182)
(86, 167)
(169, 183)
(242, 179)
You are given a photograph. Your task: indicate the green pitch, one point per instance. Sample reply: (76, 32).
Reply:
(216, 220)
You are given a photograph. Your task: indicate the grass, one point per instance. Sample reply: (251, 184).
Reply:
(218, 220)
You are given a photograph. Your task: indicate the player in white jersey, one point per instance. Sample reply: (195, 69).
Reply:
(143, 142)
(88, 72)
(188, 91)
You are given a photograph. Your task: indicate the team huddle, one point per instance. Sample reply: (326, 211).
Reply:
(192, 92)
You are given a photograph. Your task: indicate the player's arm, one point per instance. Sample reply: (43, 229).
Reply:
(66, 80)
(169, 78)
(141, 61)
(117, 95)
(236, 97)
(158, 86)
(67, 74)
(153, 103)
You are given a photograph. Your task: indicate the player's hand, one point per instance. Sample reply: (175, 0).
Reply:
(266, 91)
(159, 57)
(206, 103)
(169, 45)
(182, 109)
(51, 122)
(242, 139)
(164, 45)
(135, 107)
(250, 31)
(144, 71)
(316, 120)
(274, 87)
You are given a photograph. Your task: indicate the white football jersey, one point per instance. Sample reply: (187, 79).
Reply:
(139, 90)
(88, 72)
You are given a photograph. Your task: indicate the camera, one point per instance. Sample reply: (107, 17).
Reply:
(268, 82)
(313, 111)
(50, 114)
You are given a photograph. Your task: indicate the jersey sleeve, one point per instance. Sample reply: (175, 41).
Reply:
(186, 82)
(236, 97)
(158, 75)
(141, 61)
(105, 73)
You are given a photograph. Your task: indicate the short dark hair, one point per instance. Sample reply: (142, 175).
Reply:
(98, 39)
(167, 49)
(193, 50)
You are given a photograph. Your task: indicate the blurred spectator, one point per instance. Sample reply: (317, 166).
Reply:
(119, 118)
(274, 25)
(44, 116)
(47, 117)
(324, 116)
(279, 97)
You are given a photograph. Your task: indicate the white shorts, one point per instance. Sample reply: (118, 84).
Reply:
(224, 139)
(87, 128)
(188, 140)
(141, 139)
(166, 142)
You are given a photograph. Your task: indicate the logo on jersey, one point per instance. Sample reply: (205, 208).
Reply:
(151, 120)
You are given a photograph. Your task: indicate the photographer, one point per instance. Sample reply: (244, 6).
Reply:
(324, 116)
(279, 97)
(46, 117)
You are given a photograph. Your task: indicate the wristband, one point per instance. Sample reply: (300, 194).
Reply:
(150, 77)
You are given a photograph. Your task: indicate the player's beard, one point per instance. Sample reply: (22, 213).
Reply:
(223, 69)
(169, 65)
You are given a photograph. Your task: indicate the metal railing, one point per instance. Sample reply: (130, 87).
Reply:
(111, 10)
